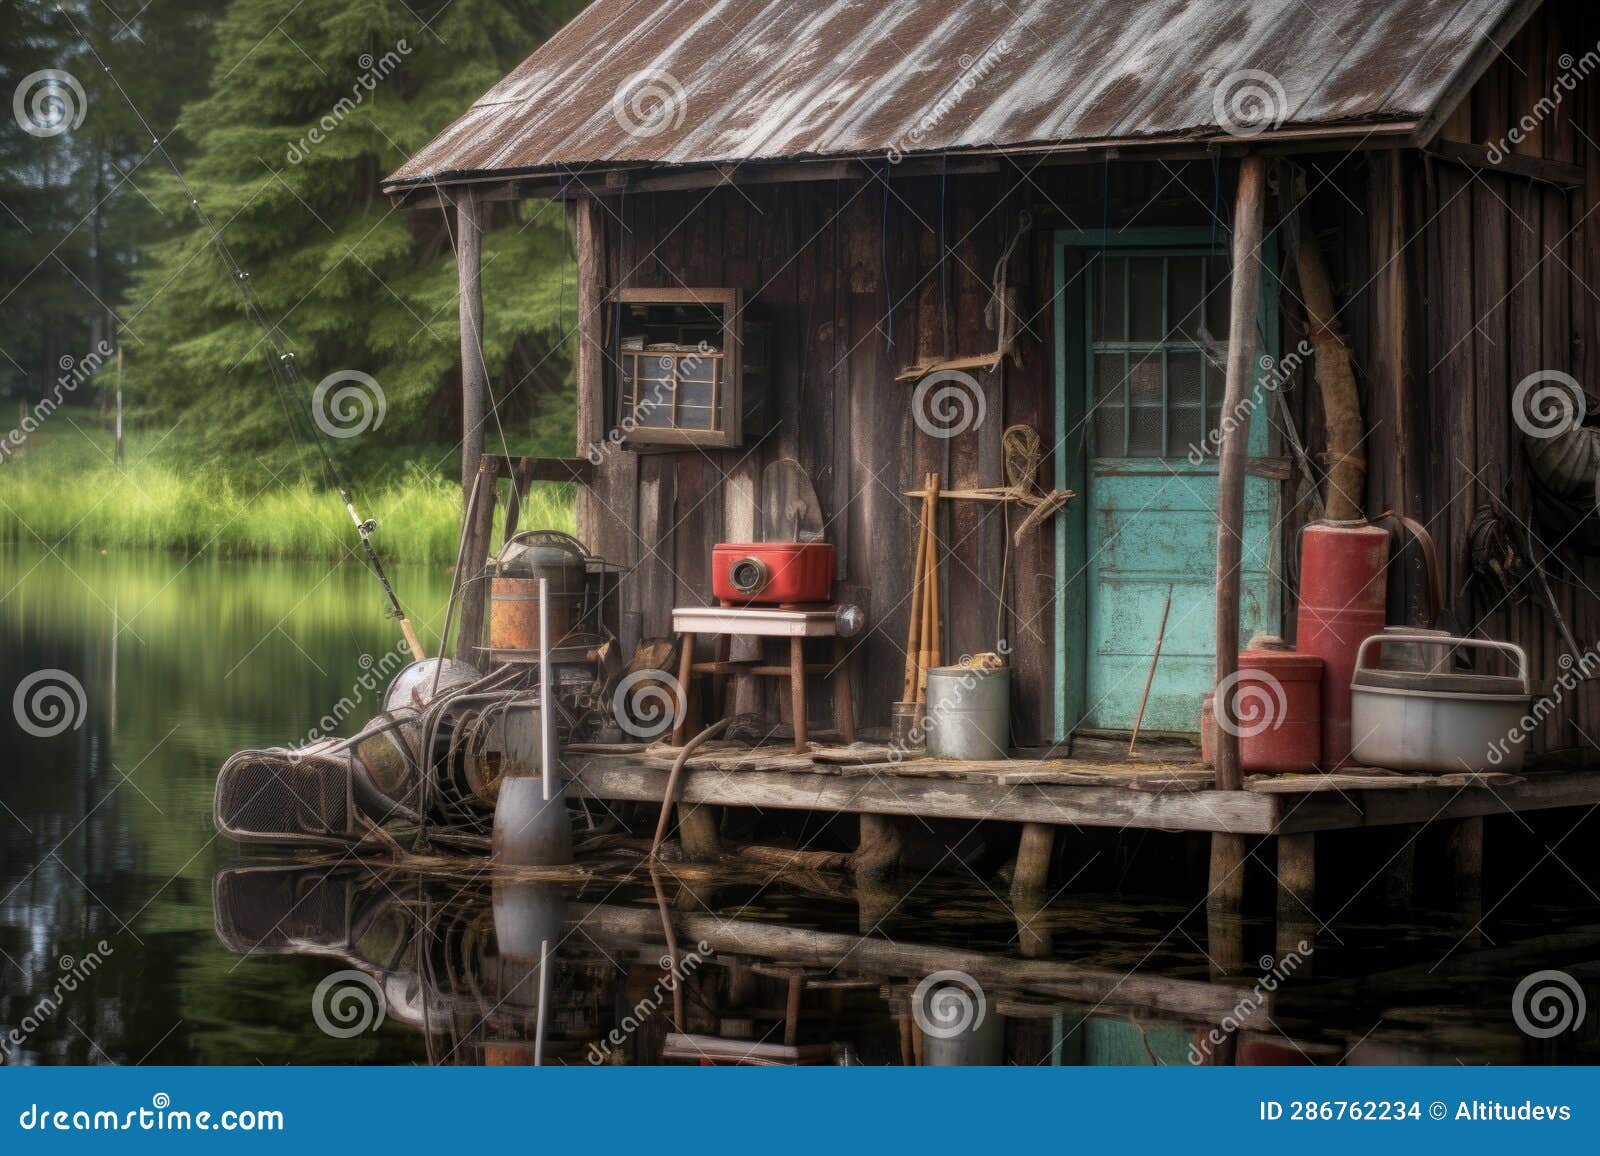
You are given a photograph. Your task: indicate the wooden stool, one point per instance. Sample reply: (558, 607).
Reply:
(796, 623)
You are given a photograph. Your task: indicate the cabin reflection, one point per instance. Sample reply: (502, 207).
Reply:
(529, 973)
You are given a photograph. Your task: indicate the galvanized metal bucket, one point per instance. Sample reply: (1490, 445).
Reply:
(969, 712)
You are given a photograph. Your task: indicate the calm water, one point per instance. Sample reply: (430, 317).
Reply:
(211, 956)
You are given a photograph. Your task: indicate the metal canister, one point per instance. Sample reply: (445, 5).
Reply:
(514, 589)
(1343, 587)
(968, 712)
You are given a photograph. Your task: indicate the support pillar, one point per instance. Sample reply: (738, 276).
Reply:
(1297, 893)
(474, 373)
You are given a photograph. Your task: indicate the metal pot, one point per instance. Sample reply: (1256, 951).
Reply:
(514, 589)
(1439, 721)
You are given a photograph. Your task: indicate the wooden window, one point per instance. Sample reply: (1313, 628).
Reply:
(682, 362)
(1159, 334)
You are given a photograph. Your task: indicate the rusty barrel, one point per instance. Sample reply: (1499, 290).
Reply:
(1343, 588)
(1277, 701)
(514, 589)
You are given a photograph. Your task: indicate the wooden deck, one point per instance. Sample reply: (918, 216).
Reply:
(1073, 792)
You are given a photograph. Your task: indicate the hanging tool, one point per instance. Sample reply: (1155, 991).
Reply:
(284, 370)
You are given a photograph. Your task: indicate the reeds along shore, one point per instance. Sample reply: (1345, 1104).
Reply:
(53, 493)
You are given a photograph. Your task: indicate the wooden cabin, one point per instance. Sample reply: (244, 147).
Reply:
(1093, 219)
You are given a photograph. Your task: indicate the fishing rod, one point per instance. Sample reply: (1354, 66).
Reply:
(287, 377)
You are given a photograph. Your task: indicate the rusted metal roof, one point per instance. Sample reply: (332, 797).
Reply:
(681, 82)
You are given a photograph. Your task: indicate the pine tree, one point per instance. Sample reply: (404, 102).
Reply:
(311, 105)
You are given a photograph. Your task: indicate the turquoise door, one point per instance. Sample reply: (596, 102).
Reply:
(1142, 327)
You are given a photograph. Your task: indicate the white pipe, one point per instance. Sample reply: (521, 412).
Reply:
(547, 724)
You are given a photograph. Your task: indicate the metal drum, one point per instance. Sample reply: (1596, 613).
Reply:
(514, 589)
(969, 712)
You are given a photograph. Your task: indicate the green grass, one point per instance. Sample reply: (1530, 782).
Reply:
(63, 490)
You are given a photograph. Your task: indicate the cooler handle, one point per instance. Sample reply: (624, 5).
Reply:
(1510, 648)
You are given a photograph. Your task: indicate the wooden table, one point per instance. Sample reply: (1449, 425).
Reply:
(796, 623)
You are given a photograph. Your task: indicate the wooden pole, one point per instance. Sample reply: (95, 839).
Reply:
(119, 407)
(474, 553)
(1247, 218)
(1150, 678)
(474, 375)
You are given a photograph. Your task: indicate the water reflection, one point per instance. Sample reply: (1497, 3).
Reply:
(669, 970)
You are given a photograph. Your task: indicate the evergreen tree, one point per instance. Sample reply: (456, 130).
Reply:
(310, 106)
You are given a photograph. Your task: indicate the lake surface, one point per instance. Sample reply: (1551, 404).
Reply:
(132, 934)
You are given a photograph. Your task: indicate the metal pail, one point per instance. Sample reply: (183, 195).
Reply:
(968, 712)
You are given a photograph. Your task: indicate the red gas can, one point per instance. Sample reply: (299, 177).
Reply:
(772, 572)
(1343, 585)
(1278, 702)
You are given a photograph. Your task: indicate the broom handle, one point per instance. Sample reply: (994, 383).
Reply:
(914, 624)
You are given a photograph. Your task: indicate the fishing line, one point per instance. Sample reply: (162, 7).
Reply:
(287, 377)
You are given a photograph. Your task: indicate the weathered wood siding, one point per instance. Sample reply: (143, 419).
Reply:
(849, 275)
(1456, 284)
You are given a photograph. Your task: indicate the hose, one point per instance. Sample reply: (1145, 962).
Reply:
(669, 799)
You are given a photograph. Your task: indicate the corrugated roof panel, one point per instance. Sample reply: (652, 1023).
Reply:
(748, 80)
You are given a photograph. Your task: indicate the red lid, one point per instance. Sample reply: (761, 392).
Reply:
(1284, 665)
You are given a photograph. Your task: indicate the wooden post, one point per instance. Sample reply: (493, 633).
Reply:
(1225, 903)
(1297, 891)
(1034, 848)
(878, 847)
(1465, 842)
(797, 692)
(474, 375)
(474, 553)
(844, 715)
(1247, 217)
(1400, 876)
(698, 832)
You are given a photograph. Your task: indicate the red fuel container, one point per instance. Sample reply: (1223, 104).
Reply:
(1343, 587)
(1279, 701)
(772, 572)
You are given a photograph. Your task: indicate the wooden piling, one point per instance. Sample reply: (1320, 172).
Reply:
(474, 373)
(1465, 849)
(1297, 891)
(1034, 847)
(1225, 904)
(1248, 212)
